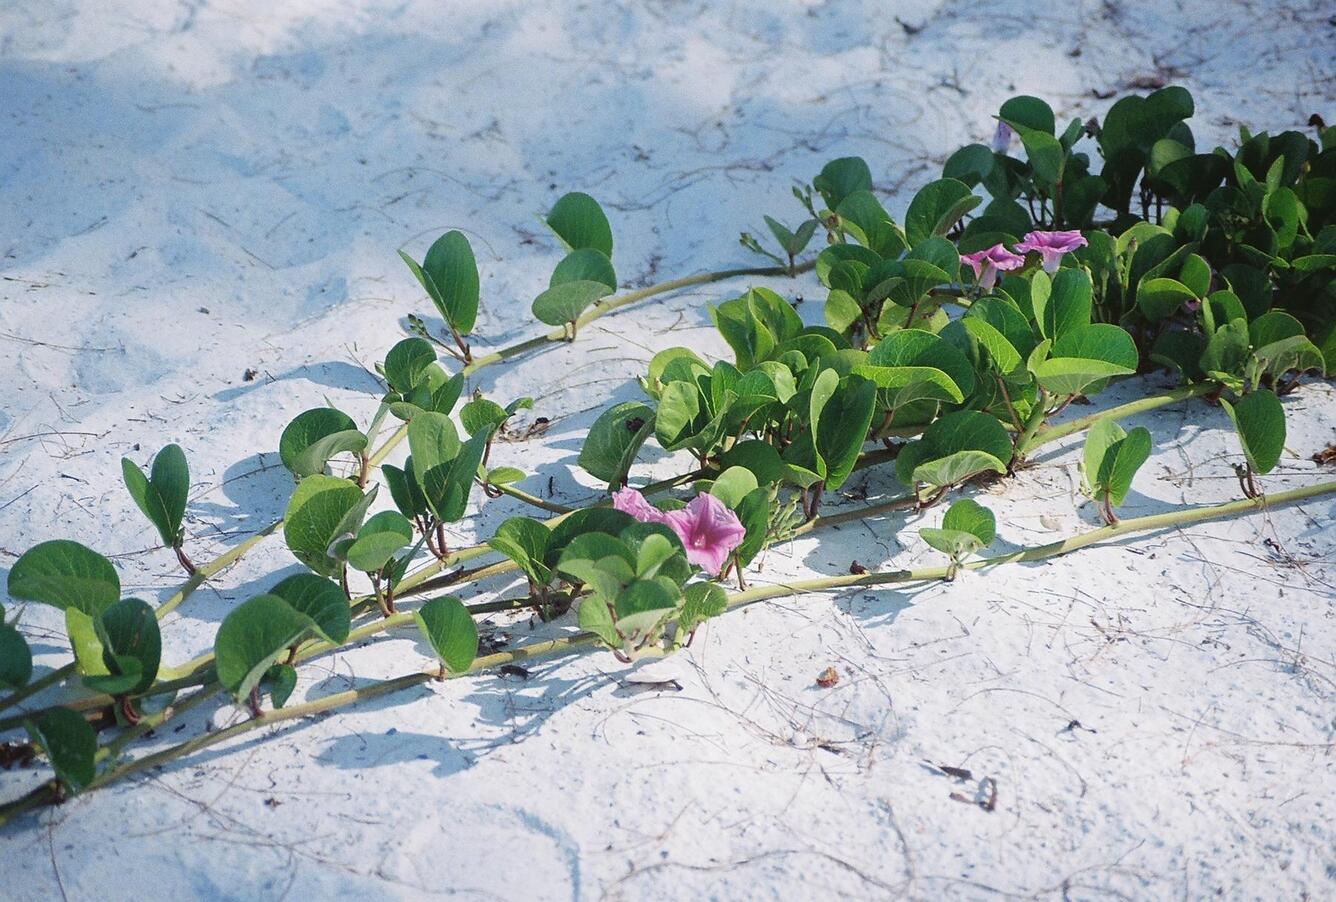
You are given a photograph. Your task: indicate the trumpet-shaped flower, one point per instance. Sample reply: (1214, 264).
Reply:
(1002, 137)
(1051, 246)
(630, 501)
(988, 263)
(709, 531)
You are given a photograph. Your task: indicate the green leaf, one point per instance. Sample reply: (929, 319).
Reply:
(1067, 305)
(563, 303)
(955, 468)
(1295, 353)
(1121, 462)
(404, 489)
(65, 574)
(282, 680)
(936, 208)
(843, 427)
(863, 215)
(1273, 326)
(1029, 113)
(970, 164)
(1102, 436)
(319, 599)
(69, 743)
(480, 414)
(380, 539)
(585, 265)
(452, 280)
(956, 543)
(842, 177)
(916, 348)
(525, 541)
(322, 510)
(1047, 157)
(252, 637)
(1260, 421)
(15, 658)
(954, 448)
(1098, 341)
(407, 363)
(325, 429)
(449, 629)
(579, 222)
(734, 484)
(1064, 376)
(615, 439)
(128, 631)
(162, 495)
(968, 515)
(700, 602)
(1160, 298)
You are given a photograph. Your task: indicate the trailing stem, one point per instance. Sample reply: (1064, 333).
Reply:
(51, 791)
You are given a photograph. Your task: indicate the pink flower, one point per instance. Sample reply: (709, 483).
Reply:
(1051, 246)
(630, 501)
(1002, 138)
(987, 264)
(709, 531)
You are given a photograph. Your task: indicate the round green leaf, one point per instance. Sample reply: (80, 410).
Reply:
(252, 637)
(580, 223)
(968, 515)
(563, 303)
(128, 630)
(65, 574)
(15, 658)
(319, 599)
(1031, 113)
(407, 363)
(69, 743)
(308, 428)
(379, 539)
(585, 265)
(615, 439)
(321, 511)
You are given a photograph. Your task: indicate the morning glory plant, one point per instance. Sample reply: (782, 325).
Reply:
(1217, 267)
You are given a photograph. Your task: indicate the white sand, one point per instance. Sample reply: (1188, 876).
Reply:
(192, 189)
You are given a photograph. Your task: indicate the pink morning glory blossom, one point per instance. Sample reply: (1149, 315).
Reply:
(709, 531)
(1051, 246)
(630, 501)
(988, 263)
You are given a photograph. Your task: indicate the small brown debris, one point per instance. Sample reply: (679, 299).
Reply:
(249, 375)
(1327, 456)
(960, 773)
(17, 754)
(857, 569)
(828, 677)
(515, 670)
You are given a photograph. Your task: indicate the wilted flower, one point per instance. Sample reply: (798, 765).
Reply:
(1051, 246)
(709, 531)
(988, 263)
(1002, 137)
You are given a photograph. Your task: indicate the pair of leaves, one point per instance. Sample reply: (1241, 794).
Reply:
(1111, 459)
(1083, 359)
(162, 494)
(449, 275)
(443, 467)
(255, 634)
(322, 515)
(586, 274)
(418, 381)
(966, 527)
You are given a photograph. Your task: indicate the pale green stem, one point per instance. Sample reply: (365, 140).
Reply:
(48, 792)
